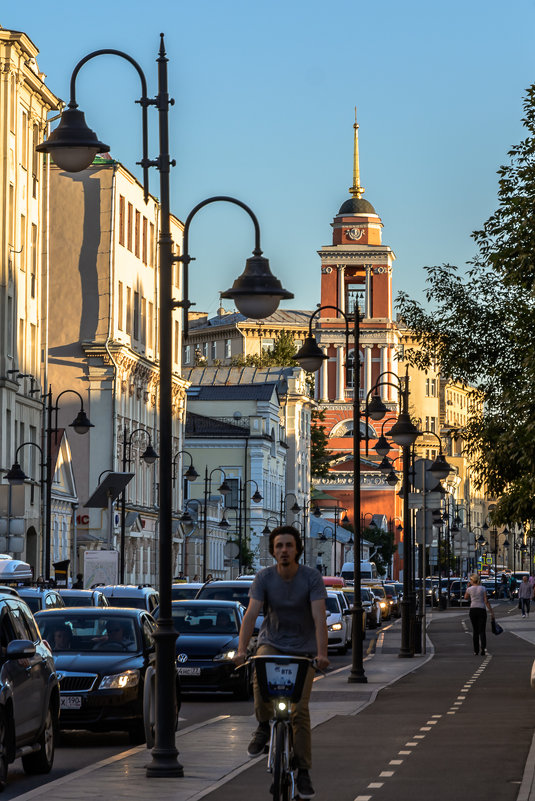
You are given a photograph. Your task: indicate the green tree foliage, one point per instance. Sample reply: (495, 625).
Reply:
(481, 332)
(280, 355)
(384, 547)
(319, 455)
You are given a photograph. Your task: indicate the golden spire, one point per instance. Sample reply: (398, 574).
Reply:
(356, 190)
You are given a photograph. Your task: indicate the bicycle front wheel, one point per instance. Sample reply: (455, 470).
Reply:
(282, 781)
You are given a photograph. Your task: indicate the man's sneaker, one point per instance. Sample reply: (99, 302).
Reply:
(260, 739)
(304, 785)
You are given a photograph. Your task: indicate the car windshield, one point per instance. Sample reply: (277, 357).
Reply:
(83, 633)
(131, 603)
(77, 600)
(205, 619)
(34, 602)
(365, 594)
(214, 593)
(332, 605)
(179, 592)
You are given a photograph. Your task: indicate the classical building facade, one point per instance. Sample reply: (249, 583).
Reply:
(103, 344)
(356, 273)
(260, 436)
(25, 102)
(219, 340)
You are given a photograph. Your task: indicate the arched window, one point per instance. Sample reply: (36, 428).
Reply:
(345, 429)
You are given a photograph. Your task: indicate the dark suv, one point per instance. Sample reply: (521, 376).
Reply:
(29, 691)
(133, 596)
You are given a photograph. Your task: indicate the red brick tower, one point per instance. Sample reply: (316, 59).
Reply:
(357, 268)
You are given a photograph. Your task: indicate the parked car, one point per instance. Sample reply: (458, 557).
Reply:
(102, 656)
(394, 599)
(379, 592)
(349, 594)
(83, 597)
(185, 589)
(236, 590)
(457, 589)
(135, 596)
(231, 590)
(431, 596)
(29, 691)
(39, 598)
(371, 604)
(338, 622)
(208, 634)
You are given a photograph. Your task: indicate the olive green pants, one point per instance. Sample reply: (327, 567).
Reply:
(300, 715)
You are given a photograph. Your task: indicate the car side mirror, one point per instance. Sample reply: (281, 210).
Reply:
(20, 649)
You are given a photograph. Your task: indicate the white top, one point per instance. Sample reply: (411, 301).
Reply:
(477, 596)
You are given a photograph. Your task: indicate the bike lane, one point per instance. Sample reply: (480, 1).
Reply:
(459, 727)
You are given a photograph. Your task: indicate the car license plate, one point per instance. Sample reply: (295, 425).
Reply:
(70, 702)
(189, 671)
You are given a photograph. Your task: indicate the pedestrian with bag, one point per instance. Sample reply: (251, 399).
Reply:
(525, 594)
(479, 603)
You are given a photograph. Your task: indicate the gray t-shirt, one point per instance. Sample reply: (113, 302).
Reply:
(288, 624)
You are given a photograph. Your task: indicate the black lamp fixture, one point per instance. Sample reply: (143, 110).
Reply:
(404, 432)
(16, 474)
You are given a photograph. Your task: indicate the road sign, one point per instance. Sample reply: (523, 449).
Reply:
(432, 500)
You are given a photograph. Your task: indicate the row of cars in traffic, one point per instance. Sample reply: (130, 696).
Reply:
(89, 661)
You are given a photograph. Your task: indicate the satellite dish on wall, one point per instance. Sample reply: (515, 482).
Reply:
(231, 550)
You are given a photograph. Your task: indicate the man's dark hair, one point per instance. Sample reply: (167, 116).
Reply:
(286, 530)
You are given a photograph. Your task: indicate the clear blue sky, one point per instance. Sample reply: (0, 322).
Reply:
(265, 93)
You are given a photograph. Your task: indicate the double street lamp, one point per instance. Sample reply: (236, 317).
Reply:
(256, 293)
(311, 357)
(148, 456)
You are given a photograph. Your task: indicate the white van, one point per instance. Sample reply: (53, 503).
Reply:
(368, 571)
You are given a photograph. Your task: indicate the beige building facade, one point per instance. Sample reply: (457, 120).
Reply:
(25, 102)
(103, 344)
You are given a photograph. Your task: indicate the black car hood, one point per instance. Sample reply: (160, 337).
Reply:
(196, 644)
(104, 663)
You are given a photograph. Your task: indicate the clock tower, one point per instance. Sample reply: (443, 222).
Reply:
(356, 269)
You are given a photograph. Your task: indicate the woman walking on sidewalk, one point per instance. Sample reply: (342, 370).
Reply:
(477, 596)
(525, 594)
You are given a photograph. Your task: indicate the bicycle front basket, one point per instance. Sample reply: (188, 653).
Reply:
(281, 676)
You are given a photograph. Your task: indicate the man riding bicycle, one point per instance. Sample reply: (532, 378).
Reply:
(292, 597)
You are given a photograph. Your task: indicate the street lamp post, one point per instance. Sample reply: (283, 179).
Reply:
(224, 489)
(310, 357)
(295, 508)
(81, 425)
(256, 293)
(404, 434)
(16, 475)
(149, 456)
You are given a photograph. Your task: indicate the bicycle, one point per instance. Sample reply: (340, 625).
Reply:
(281, 680)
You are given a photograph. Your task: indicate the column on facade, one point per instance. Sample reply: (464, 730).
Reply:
(367, 369)
(340, 374)
(385, 389)
(368, 306)
(324, 380)
(341, 287)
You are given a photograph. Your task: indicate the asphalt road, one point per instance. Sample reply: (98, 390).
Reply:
(79, 749)
(460, 727)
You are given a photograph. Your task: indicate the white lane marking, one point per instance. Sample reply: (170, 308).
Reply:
(461, 697)
(385, 774)
(451, 713)
(412, 744)
(375, 785)
(404, 753)
(436, 716)
(425, 728)
(396, 762)
(432, 722)
(419, 736)
(363, 798)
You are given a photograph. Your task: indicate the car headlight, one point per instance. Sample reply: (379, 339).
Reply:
(120, 681)
(226, 655)
(382, 604)
(335, 627)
